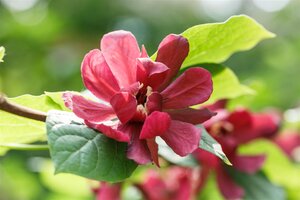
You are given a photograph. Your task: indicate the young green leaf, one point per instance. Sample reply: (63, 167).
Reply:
(216, 42)
(2, 53)
(225, 83)
(19, 130)
(79, 150)
(209, 144)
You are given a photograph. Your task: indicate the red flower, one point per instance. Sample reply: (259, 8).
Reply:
(232, 130)
(108, 191)
(289, 142)
(139, 99)
(176, 183)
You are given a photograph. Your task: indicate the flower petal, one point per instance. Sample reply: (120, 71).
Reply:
(288, 141)
(248, 164)
(248, 126)
(153, 148)
(137, 149)
(97, 77)
(109, 191)
(153, 73)
(228, 188)
(120, 50)
(124, 105)
(172, 51)
(110, 129)
(193, 87)
(144, 53)
(190, 115)
(87, 109)
(182, 137)
(156, 124)
(154, 102)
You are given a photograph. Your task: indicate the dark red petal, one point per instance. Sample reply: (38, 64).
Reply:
(190, 115)
(193, 87)
(87, 109)
(137, 149)
(110, 129)
(151, 73)
(154, 102)
(97, 76)
(206, 158)
(124, 105)
(156, 124)
(182, 137)
(228, 188)
(248, 126)
(218, 105)
(120, 50)
(248, 164)
(153, 148)
(172, 51)
(109, 191)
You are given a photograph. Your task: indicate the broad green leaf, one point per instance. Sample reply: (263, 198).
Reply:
(209, 144)
(225, 84)
(167, 153)
(79, 150)
(276, 163)
(216, 42)
(16, 130)
(2, 53)
(57, 98)
(257, 186)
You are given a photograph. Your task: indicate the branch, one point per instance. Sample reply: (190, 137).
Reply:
(19, 110)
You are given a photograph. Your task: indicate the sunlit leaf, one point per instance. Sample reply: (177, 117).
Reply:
(216, 42)
(209, 144)
(79, 150)
(57, 98)
(225, 83)
(15, 129)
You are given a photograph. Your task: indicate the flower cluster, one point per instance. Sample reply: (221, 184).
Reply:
(231, 130)
(141, 98)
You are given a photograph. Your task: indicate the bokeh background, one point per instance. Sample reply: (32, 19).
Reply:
(45, 41)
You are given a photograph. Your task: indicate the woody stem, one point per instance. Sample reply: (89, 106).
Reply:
(19, 110)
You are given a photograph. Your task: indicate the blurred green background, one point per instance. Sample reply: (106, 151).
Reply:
(45, 41)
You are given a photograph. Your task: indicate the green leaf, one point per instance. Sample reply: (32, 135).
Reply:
(216, 42)
(56, 97)
(209, 144)
(79, 150)
(257, 186)
(276, 162)
(19, 130)
(225, 83)
(2, 53)
(167, 153)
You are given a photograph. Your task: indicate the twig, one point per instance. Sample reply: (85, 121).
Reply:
(19, 110)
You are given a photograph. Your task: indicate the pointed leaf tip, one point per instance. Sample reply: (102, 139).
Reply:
(208, 143)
